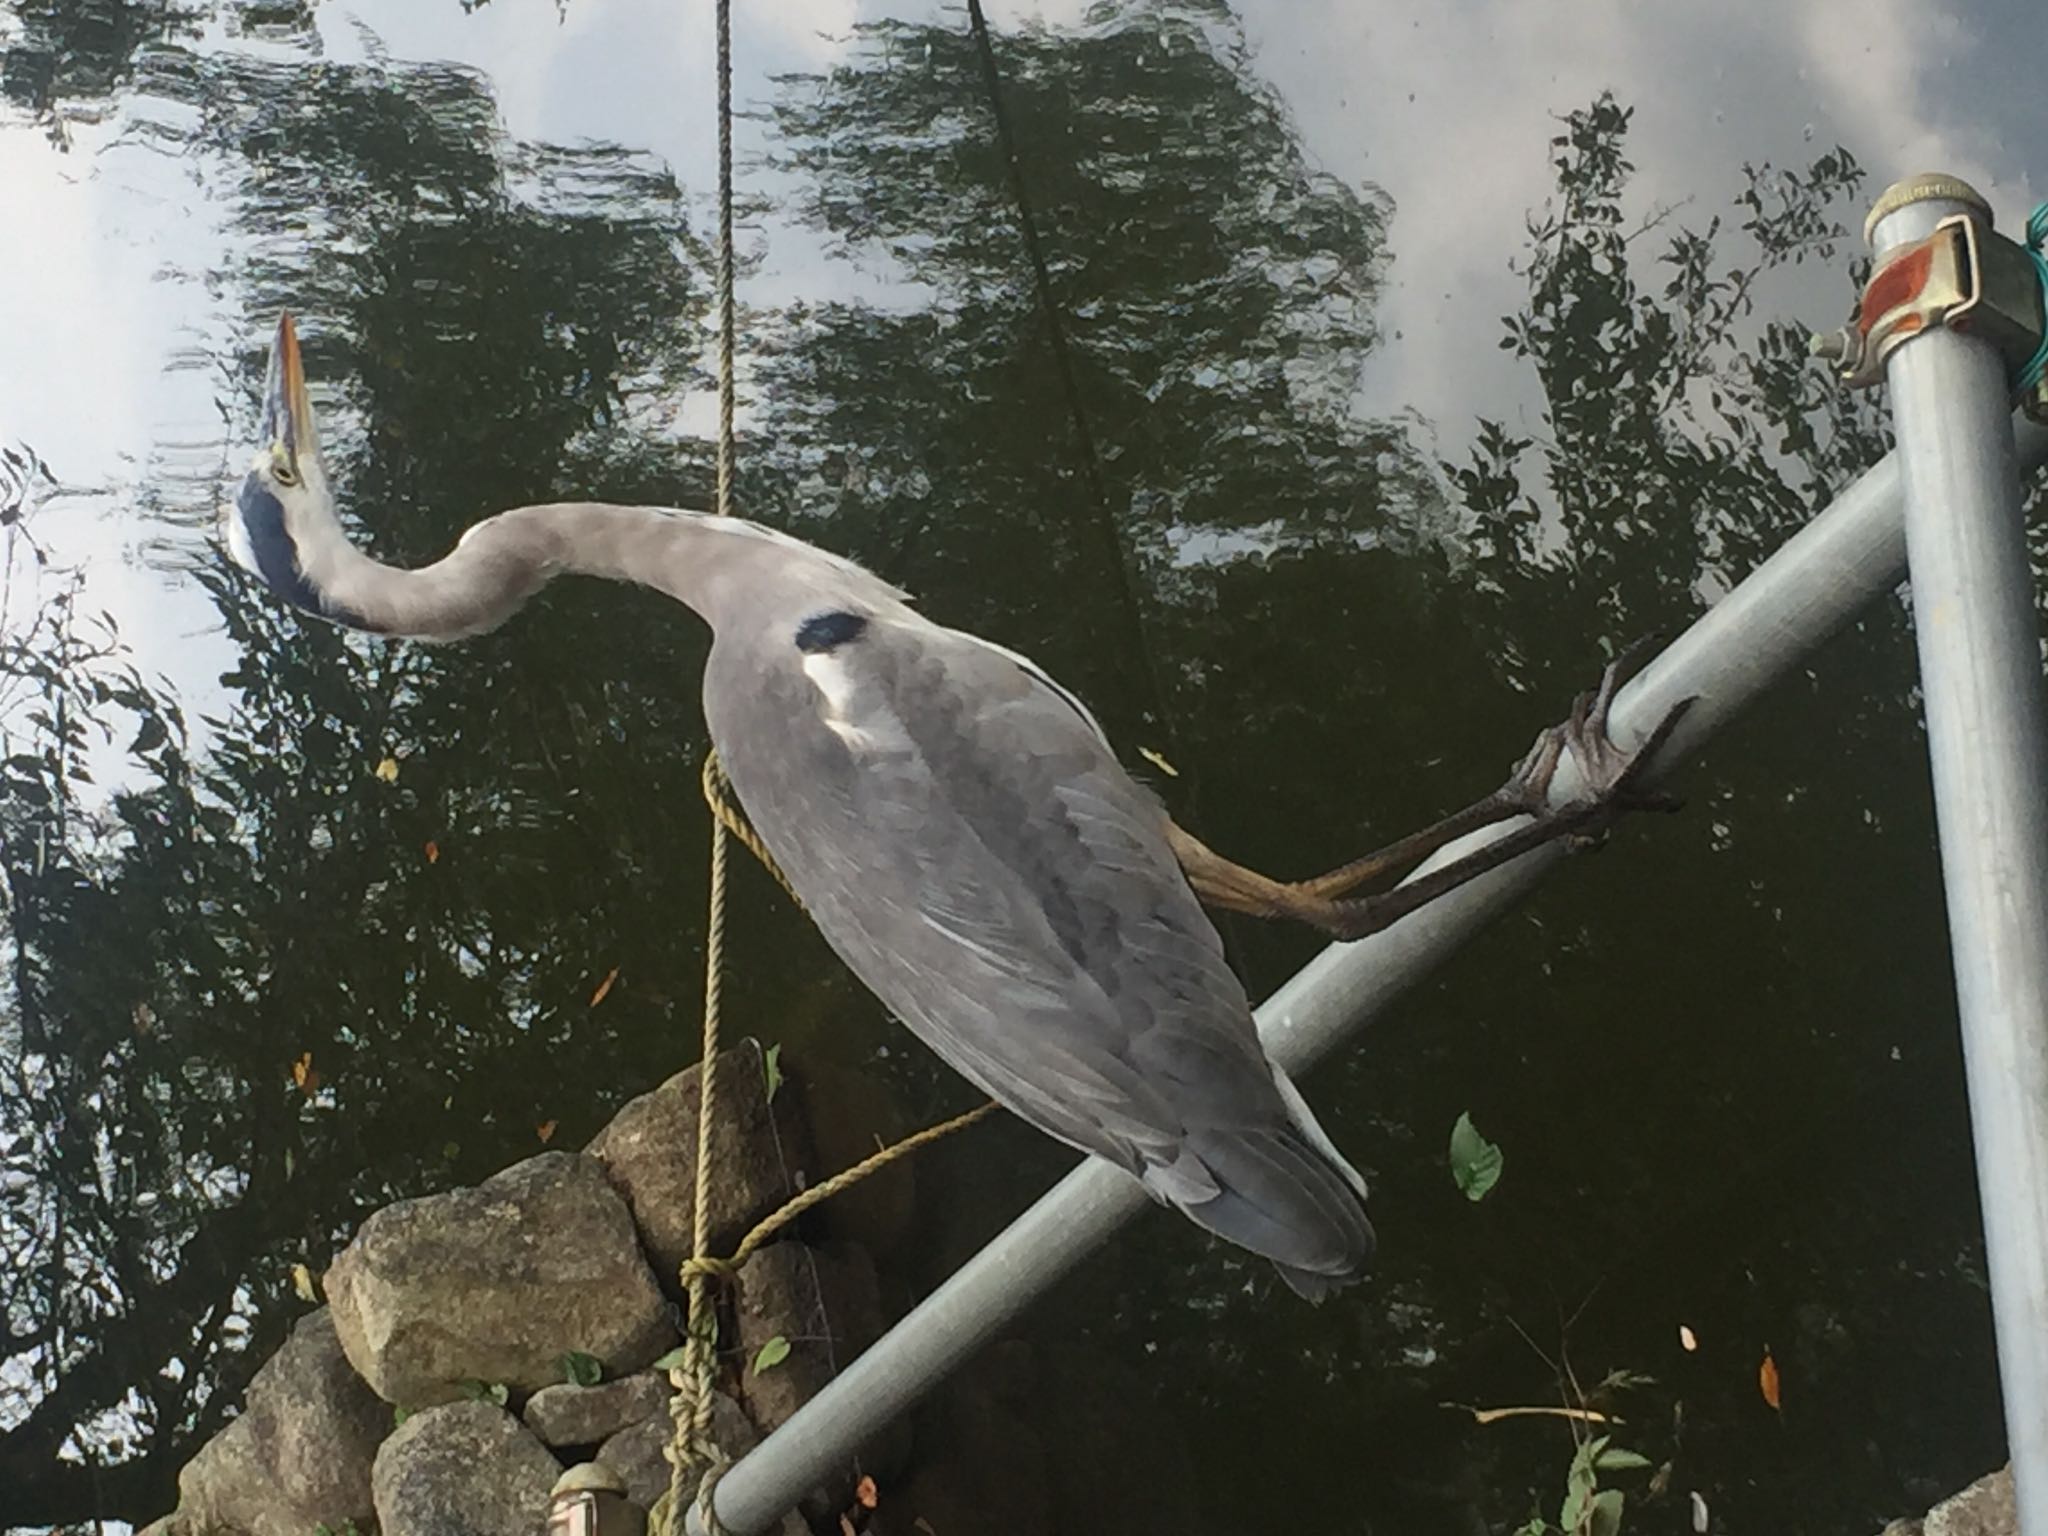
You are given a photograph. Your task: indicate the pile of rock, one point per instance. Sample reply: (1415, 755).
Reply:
(428, 1395)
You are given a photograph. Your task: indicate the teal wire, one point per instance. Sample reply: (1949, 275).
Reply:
(2037, 237)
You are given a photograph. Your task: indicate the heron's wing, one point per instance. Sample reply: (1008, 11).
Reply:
(963, 836)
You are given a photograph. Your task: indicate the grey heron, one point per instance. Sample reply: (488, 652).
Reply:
(959, 828)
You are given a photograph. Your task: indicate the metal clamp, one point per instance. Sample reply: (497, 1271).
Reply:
(1962, 276)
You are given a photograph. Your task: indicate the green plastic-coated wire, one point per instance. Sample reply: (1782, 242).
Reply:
(2037, 239)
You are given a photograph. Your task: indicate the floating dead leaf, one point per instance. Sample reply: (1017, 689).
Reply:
(145, 1018)
(1687, 1339)
(302, 1283)
(864, 1493)
(433, 851)
(1158, 760)
(387, 770)
(303, 1074)
(1767, 1380)
(1660, 1481)
(545, 1131)
(846, 1526)
(922, 1524)
(1699, 1513)
(604, 987)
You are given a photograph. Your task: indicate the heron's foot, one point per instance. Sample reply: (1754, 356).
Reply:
(1611, 778)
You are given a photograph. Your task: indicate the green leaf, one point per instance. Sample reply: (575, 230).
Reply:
(671, 1361)
(486, 1392)
(1580, 1485)
(772, 1354)
(771, 1069)
(1537, 1526)
(1603, 1518)
(580, 1369)
(1475, 1162)
(399, 1416)
(1619, 1460)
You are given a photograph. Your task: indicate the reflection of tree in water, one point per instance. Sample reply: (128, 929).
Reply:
(502, 322)
(502, 313)
(1216, 290)
(72, 54)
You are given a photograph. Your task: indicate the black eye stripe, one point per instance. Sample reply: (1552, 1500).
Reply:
(828, 631)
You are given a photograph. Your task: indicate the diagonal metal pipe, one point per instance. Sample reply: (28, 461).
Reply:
(1849, 555)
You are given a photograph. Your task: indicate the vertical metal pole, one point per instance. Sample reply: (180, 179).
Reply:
(1980, 669)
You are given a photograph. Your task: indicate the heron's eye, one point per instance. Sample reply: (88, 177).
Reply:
(281, 467)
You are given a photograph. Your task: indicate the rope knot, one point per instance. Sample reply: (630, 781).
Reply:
(705, 1267)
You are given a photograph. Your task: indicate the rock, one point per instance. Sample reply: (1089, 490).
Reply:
(1985, 1508)
(466, 1469)
(848, 1115)
(565, 1414)
(636, 1453)
(299, 1453)
(825, 1303)
(649, 1151)
(496, 1284)
(173, 1524)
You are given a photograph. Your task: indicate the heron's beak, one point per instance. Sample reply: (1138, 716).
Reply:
(287, 413)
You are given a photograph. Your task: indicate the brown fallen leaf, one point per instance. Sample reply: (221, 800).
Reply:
(387, 770)
(545, 1131)
(302, 1283)
(846, 1526)
(864, 1493)
(433, 851)
(303, 1074)
(604, 987)
(1767, 1380)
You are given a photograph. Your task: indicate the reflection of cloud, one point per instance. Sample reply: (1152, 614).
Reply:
(88, 323)
(1450, 109)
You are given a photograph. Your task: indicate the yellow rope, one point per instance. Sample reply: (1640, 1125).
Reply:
(692, 1446)
(726, 810)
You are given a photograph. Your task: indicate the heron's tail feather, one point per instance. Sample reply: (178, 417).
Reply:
(1287, 1194)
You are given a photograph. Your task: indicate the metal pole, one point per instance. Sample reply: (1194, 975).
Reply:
(1829, 571)
(1987, 737)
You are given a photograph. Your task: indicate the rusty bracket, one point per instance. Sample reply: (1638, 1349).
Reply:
(1963, 276)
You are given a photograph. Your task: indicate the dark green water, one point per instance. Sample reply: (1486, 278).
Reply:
(1721, 1057)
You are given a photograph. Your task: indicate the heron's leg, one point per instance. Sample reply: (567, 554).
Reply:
(1612, 788)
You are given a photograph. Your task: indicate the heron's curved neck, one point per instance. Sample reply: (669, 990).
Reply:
(713, 564)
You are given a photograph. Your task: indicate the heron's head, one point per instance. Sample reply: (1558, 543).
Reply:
(283, 502)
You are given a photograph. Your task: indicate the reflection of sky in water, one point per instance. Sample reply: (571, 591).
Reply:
(117, 365)
(116, 369)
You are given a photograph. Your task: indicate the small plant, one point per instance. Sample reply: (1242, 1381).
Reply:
(580, 1369)
(486, 1392)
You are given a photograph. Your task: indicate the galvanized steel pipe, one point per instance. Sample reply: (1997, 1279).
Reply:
(1987, 738)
